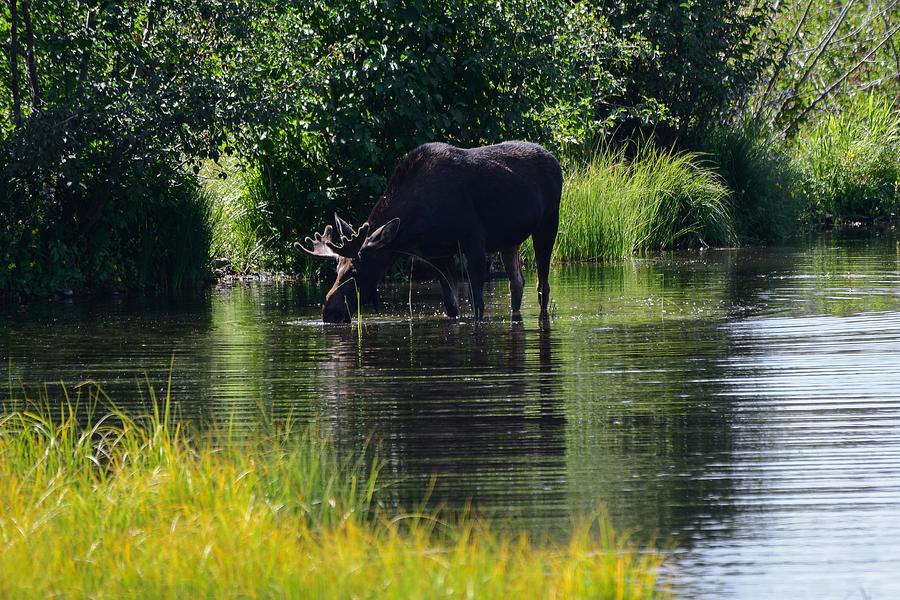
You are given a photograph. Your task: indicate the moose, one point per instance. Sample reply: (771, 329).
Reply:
(442, 201)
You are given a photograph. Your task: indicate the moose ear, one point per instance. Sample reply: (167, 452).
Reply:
(382, 236)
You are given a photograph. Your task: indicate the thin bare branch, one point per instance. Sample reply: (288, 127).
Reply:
(808, 68)
(782, 62)
(876, 82)
(839, 81)
(89, 22)
(14, 61)
(29, 56)
(896, 53)
(863, 25)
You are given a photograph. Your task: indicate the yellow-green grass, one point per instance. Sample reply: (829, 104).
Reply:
(616, 205)
(137, 508)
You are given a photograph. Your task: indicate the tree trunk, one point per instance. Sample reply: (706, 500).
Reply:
(29, 56)
(14, 61)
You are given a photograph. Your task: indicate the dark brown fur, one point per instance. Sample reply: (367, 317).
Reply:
(450, 200)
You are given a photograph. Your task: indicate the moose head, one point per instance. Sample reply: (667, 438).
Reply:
(362, 259)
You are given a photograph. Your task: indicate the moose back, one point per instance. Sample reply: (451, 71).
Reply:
(442, 201)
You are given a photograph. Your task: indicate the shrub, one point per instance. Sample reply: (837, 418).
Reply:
(394, 75)
(97, 219)
(764, 198)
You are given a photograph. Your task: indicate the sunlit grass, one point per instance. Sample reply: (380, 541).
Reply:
(614, 205)
(142, 507)
(850, 162)
(241, 231)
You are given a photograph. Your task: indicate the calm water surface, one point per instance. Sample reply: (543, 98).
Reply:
(741, 405)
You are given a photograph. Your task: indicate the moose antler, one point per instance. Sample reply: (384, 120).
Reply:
(321, 246)
(350, 246)
(344, 228)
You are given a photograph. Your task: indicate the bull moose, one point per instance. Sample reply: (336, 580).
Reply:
(442, 201)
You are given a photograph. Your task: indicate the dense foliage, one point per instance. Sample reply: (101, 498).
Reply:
(757, 169)
(823, 55)
(109, 110)
(850, 162)
(120, 99)
(393, 75)
(697, 62)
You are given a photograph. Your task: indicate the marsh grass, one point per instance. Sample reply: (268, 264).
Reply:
(241, 228)
(105, 505)
(616, 205)
(764, 199)
(850, 162)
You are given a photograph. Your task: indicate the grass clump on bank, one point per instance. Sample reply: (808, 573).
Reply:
(763, 200)
(141, 508)
(615, 206)
(850, 162)
(241, 229)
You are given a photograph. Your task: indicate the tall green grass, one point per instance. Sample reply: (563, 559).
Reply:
(110, 506)
(850, 162)
(242, 231)
(169, 243)
(764, 196)
(616, 205)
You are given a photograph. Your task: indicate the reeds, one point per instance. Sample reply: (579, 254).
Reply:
(114, 506)
(615, 205)
(242, 230)
(764, 199)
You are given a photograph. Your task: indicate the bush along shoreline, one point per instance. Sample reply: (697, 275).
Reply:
(107, 505)
(136, 144)
(742, 188)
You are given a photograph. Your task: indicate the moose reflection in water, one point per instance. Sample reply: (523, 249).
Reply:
(444, 201)
(493, 394)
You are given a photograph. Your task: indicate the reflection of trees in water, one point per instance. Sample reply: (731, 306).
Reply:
(120, 342)
(650, 430)
(259, 358)
(621, 406)
(837, 273)
(623, 401)
(648, 425)
(477, 406)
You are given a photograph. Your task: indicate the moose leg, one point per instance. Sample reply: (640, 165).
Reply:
(476, 268)
(513, 266)
(543, 251)
(446, 274)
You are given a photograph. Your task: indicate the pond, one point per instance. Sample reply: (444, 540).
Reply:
(743, 406)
